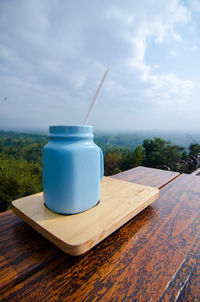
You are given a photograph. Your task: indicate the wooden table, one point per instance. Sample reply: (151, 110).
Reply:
(155, 256)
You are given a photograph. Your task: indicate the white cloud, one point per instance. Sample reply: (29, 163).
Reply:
(59, 51)
(194, 47)
(161, 84)
(173, 53)
(120, 16)
(195, 4)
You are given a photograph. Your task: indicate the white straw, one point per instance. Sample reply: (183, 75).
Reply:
(95, 97)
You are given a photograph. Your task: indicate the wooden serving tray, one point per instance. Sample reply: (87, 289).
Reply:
(76, 234)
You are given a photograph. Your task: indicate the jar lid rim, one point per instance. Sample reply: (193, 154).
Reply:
(70, 126)
(71, 130)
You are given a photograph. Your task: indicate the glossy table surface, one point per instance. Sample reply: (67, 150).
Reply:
(154, 257)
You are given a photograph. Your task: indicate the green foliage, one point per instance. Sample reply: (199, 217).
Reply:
(111, 162)
(20, 166)
(184, 155)
(120, 159)
(21, 160)
(194, 149)
(18, 178)
(138, 156)
(153, 153)
(158, 152)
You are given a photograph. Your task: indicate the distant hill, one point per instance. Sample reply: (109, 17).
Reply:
(126, 139)
(21, 157)
(135, 138)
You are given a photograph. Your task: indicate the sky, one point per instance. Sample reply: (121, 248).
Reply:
(54, 53)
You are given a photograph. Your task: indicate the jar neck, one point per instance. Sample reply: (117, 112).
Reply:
(71, 133)
(71, 139)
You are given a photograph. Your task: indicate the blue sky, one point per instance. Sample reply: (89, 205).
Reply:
(53, 55)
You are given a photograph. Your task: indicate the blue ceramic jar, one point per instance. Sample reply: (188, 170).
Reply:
(72, 169)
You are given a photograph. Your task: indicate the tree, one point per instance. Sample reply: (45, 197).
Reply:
(194, 149)
(18, 178)
(111, 162)
(138, 156)
(126, 159)
(159, 152)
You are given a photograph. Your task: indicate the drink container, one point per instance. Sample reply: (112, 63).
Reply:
(72, 169)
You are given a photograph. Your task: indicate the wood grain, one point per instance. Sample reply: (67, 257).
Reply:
(76, 234)
(139, 262)
(186, 281)
(22, 250)
(148, 176)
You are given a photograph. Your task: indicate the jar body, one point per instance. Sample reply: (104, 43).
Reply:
(72, 170)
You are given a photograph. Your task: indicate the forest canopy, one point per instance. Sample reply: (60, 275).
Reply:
(21, 161)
